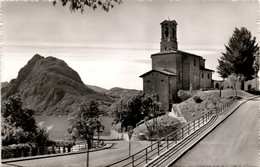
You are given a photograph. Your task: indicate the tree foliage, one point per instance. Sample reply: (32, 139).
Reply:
(84, 122)
(240, 55)
(136, 109)
(79, 5)
(15, 115)
(19, 126)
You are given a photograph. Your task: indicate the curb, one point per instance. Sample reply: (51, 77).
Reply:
(196, 142)
(54, 155)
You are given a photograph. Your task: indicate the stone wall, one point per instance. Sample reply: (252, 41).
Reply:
(156, 82)
(205, 79)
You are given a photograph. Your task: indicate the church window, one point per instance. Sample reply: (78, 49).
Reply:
(208, 76)
(173, 32)
(162, 80)
(202, 75)
(166, 32)
(148, 81)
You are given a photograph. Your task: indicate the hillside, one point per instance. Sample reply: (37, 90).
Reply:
(97, 88)
(51, 87)
(192, 110)
(120, 94)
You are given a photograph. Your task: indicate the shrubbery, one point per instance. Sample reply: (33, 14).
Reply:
(20, 134)
(132, 111)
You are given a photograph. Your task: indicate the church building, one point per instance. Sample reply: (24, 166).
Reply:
(174, 70)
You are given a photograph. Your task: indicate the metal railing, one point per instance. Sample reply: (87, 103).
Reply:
(33, 151)
(147, 154)
(47, 150)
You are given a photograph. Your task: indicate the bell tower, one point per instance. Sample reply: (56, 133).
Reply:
(169, 35)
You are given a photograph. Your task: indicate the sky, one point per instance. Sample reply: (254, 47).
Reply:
(112, 49)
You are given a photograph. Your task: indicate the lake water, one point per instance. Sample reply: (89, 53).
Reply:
(60, 125)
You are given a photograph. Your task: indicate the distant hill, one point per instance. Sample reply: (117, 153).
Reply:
(120, 94)
(97, 89)
(51, 87)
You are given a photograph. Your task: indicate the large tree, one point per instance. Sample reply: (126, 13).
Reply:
(19, 126)
(239, 58)
(79, 5)
(84, 121)
(136, 109)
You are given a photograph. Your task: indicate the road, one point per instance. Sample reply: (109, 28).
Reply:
(97, 159)
(232, 143)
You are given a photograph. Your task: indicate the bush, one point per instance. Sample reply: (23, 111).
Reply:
(184, 95)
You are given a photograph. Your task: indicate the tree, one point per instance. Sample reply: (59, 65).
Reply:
(240, 56)
(79, 5)
(19, 126)
(13, 135)
(136, 109)
(130, 112)
(15, 115)
(84, 122)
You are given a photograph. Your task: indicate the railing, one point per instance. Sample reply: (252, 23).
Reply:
(147, 154)
(46, 150)
(33, 151)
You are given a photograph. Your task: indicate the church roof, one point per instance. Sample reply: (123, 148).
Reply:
(206, 69)
(175, 51)
(165, 72)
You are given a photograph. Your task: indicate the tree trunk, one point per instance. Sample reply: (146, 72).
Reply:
(89, 143)
(242, 85)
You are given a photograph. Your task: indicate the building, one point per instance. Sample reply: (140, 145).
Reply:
(251, 85)
(174, 70)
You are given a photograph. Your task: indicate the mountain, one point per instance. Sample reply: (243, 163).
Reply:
(51, 87)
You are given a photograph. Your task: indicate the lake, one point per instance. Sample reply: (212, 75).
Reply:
(60, 125)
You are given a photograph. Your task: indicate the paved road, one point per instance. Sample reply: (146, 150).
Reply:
(233, 143)
(98, 158)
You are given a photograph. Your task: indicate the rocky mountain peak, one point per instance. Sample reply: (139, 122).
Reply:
(50, 86)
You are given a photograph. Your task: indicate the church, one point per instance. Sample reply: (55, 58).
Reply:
(174, 70)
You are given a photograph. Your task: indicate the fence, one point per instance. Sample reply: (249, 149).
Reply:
(144, 156)
(33, 151)
(46, 150)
